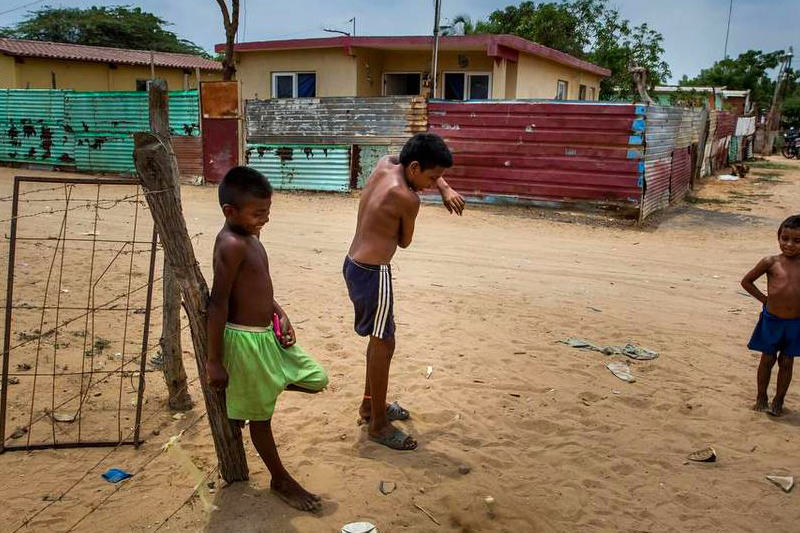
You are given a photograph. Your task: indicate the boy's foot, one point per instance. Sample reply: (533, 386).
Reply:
(393, 412)
(762, 405)
(776, 409)
(393, 438)
(296, 496)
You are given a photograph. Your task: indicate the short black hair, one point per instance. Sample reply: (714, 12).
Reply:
(428, 149)
(242, 181)
(793, 222)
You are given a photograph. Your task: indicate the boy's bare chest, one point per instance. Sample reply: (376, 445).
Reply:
(784, 276)
(255, 266)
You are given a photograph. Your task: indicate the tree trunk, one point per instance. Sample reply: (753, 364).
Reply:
(158, 172)
(230, 20)
(171, 353)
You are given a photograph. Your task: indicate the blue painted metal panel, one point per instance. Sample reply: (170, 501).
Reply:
(302, 167)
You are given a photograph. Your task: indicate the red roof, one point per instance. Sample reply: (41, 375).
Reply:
(505, 46)
(101, 54)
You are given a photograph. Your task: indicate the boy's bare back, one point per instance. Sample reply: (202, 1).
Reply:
(386, 214)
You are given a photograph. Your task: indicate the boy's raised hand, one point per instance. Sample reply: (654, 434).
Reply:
(453, 201)
(216, 375)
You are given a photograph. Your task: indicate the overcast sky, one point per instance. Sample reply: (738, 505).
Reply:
(694, 30)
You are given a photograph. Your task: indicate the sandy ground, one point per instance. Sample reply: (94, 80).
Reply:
(558, 441)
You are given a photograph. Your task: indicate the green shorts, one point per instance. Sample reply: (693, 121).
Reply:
(259, 369)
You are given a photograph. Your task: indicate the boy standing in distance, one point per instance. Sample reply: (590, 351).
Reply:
(777, 334)
(386, 215)
(251, 343)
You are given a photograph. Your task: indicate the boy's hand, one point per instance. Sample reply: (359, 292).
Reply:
(453, 201)
(216, 375)
(287, 332)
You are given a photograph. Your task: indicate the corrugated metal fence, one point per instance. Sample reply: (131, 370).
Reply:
(88, 131)
(328, 144)
(516, 151)
(672, 137)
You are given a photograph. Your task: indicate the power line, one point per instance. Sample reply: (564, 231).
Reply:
(728, 31)
(23, 6)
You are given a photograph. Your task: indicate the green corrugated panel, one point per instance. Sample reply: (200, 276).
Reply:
(302, 167)
(368, 157)
(104, 123)
(32, 127)
(104, 152)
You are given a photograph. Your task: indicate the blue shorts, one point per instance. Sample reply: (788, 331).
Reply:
(370, 289)
(773, 335)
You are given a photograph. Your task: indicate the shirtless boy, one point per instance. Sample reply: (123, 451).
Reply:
(386, 215)
(777, 334)
(245, 353)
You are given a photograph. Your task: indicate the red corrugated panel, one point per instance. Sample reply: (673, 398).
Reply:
(542, 150)
(726, 124)
(681, 173)
(189, 152)
(656, 195)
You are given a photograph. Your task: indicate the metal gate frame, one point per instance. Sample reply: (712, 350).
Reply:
(9, 307)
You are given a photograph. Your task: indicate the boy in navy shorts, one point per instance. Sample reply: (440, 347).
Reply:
(386, 215)
(777, 334)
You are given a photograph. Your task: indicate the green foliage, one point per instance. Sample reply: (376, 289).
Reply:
(115, 26)
(588, 29)
(748, 71)
(791, 110)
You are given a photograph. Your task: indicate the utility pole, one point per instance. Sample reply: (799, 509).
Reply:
(774, 115)
(728, 32)
(435, 60)
(353, 20)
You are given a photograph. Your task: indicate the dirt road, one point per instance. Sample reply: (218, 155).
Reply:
(547, 431)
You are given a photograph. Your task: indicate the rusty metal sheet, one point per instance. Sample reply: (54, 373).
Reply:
(219, 99)
(656, 190)
(531, 150)
(335, 120)
(189, 152)
(220, 147)
(681, 173)
(302, 167)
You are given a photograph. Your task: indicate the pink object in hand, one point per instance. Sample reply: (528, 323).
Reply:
(276, 325)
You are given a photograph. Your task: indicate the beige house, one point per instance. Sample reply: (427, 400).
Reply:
(473, 67)
(45, 65)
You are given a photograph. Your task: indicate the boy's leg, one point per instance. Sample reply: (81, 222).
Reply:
(282, 483)
(764, 373)
(785, 365)
(379, 358)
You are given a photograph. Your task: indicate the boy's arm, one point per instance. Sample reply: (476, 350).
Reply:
(408, 214)
(228, 258)
(748, 282)
(452, 200)
(287, 331)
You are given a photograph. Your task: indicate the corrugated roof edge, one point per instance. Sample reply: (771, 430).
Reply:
(101, 54)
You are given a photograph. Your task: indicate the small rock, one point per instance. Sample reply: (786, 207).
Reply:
(19, 432)
(343, 436)
(13, 380)
(156, 431)
(464, 469)
(387, 487)
(422, 490)
(24, 366)
(178, 416)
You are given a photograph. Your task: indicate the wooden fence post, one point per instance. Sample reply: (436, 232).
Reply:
(171, 353)
(157, 168)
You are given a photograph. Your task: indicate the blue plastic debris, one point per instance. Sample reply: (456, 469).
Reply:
(115, 475)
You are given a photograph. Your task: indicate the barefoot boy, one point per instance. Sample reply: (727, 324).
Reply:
(386, 215)
(777, 334)
(245, 354)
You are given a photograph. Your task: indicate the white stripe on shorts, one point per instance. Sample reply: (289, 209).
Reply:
(384, 295)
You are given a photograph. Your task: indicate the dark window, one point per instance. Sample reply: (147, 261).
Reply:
(307, 85)
(402, 84)
(562, 90)
(454, 86)
(582, 92)
(141, 85)
(283, 86)
(479, 87)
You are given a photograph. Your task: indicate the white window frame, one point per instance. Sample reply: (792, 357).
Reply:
(294, 82)
(566, 89)
(383, 78)
(467, 75)
(592, 94)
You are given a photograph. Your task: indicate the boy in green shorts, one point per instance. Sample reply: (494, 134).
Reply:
(253, 359)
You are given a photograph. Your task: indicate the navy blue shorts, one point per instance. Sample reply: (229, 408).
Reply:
(773, 335)
(370, 289)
